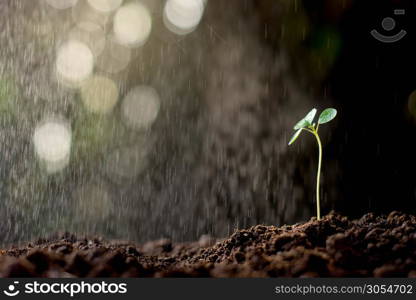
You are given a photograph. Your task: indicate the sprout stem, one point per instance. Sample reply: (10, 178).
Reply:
(318, 206)
(309, 125)
(311, 131)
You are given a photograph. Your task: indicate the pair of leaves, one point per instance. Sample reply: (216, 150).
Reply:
(326, 116)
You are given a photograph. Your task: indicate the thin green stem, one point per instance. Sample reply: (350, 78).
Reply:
(318, 205)
(311, 131)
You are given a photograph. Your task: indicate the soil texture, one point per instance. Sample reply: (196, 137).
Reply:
(372, 246)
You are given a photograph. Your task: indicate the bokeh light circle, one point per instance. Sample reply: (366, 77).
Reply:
(99, 94)
(74, 62)
(52, 142)
(132, 24)
(183, 16)
(140, 107)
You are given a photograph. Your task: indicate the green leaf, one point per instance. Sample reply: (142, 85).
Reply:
(295, 136)
(327, 115)
(302, 124)
(306, 121)
(311, 115)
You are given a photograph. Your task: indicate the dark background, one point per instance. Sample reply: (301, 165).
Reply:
(370, 84)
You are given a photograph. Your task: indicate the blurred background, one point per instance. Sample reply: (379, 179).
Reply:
(150, 119)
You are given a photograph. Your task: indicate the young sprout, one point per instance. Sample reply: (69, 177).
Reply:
(308, 125)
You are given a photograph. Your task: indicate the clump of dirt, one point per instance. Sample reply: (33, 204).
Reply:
(376, 246)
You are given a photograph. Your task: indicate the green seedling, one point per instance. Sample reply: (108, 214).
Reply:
(307, 124)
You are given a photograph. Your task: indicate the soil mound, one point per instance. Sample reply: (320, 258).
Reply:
(372, 246)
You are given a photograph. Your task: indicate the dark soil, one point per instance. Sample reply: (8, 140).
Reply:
(379, 246)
